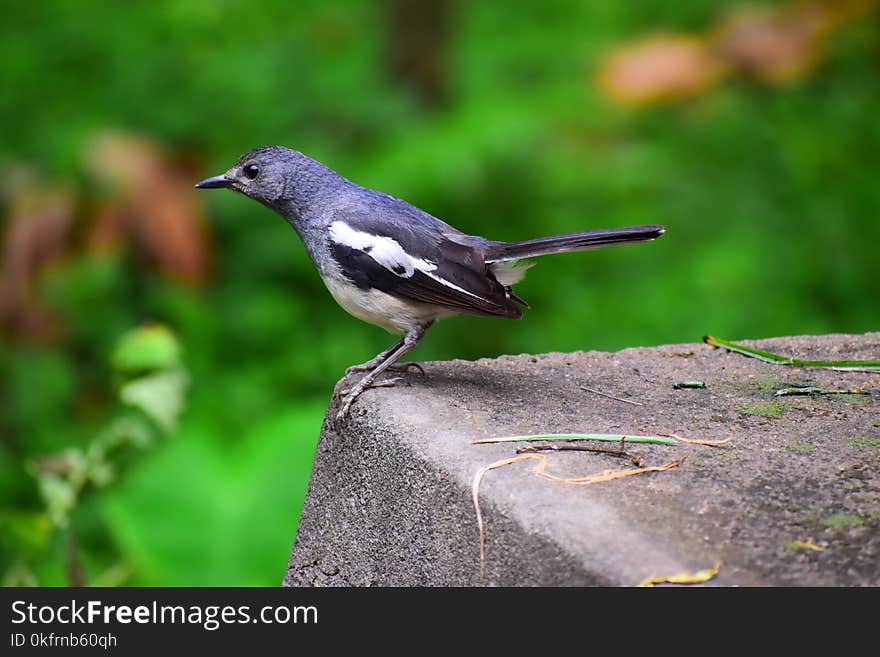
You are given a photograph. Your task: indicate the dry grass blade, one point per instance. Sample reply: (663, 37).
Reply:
(683, 578)
(697, 441)
(606, 475)
(806, 545)
(767, 357)
(475, 490)
(540, 470)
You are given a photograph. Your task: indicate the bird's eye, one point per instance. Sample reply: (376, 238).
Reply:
(251, 171)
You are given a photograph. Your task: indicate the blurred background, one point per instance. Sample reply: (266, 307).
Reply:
(167, 355)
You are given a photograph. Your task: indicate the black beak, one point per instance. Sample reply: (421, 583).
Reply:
(213, 183)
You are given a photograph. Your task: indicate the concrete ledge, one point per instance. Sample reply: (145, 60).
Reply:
(389, 501)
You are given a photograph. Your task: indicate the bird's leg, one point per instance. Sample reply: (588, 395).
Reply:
(371, 364)
(408, 343)
(397, 367)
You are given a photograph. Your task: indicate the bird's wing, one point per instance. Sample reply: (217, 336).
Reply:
(412, 260)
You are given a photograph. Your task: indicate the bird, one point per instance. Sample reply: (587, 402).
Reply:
(391, 264)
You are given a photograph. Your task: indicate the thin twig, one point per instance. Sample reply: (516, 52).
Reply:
(531, 449)
(605, 394)
(813, 390)
(605, 437)
(75, 574)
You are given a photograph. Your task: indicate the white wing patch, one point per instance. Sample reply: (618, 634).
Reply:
(384, 250)
(388, 253)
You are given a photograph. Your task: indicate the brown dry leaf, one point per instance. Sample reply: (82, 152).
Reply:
(35, 235)
(683, 578)
(774, 45)
(660, 68)
(107, 231)
(780, 44)
(540, 470)
(154, 200)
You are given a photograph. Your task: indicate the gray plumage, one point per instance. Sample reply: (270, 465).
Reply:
(388, 262)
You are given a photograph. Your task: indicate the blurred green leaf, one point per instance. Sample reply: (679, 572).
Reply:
(152, 347)
(133, 430)
(117, 574)
(252, 486)
(25, 532)
(160, 396)
(60, 497)
(19, 574)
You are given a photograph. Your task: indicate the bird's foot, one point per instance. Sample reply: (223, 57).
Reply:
(397, 367)
(384, 383)
(384, 361)
(350, 394)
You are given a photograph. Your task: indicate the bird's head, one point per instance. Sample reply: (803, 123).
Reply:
(280, 178)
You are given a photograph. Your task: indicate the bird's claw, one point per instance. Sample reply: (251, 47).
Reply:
(384, 383)
(397, 367)
(355, 391)
(343, 410)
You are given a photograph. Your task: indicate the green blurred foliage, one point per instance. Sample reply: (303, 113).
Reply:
(769, 195)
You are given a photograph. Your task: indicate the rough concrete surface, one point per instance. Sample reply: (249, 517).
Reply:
(389, 501)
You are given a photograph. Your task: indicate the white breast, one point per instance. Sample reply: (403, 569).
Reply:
(381, 309)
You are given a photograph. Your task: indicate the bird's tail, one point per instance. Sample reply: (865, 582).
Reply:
(590, 239)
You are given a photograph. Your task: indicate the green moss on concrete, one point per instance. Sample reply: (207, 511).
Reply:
(772, 410)
(839, 521)
(855, 400)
